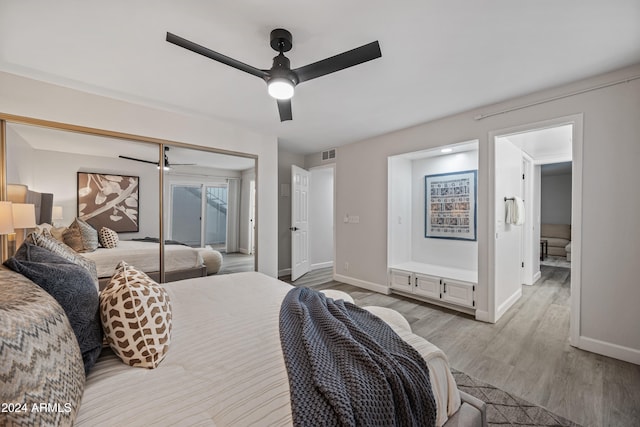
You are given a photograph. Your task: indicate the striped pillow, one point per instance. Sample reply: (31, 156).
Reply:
(41, 353)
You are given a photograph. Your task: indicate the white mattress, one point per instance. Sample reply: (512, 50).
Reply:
(225, 365)
(144, 256)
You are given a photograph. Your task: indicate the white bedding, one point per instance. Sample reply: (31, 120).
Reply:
(225, 365)
(145, 256)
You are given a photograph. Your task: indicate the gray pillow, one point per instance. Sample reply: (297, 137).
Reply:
(52, 245)
(72, 286)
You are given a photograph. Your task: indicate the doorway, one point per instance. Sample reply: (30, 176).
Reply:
(553, 141)
(312, 221)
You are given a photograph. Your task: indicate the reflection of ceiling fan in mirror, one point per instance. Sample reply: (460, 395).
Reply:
(167, 165)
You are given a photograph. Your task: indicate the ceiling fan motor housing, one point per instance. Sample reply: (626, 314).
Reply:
(281, 40)
(282, 69)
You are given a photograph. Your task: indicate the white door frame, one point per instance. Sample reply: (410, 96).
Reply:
(527, 229)
(299, 221)
(576, 214)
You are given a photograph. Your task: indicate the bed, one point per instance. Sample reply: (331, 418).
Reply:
(225, 365)
(181, 262)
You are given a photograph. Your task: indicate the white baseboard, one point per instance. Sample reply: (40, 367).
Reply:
(483, 316)
(537, 276)
(631, 355)
(502, 309)
(376, 287)
(244, 251)
(320, 265)
(284, 272)
(287, 271)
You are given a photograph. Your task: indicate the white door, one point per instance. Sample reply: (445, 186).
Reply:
(299, 222)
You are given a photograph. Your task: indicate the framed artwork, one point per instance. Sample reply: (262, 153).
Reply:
(450, 205)
(109, 201)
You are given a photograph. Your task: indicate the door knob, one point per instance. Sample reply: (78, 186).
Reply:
(293, 228)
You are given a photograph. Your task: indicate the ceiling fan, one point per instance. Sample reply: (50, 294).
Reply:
(167, 165)
(281, 79)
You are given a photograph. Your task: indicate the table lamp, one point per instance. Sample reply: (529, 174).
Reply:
(56, 214)
(24, 217)
(6, 224)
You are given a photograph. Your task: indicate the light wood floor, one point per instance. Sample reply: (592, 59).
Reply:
(526, 353)
(236, 263)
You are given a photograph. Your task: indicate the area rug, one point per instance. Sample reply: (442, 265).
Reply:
(505, 409)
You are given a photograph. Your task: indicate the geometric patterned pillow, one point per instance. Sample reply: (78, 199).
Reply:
(108, 238)
(59, 248)
(136, 317)
(40, 361)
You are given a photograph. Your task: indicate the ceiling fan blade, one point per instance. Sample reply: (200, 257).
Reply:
(339, 62)
(139, 160)
(284, 108)
(183, 164)
(194, 47)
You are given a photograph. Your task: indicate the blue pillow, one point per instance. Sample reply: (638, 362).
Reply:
(72, 286)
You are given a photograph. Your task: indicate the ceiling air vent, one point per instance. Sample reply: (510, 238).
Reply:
(329, 155)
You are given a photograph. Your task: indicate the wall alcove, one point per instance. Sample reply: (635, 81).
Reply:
(424, 261)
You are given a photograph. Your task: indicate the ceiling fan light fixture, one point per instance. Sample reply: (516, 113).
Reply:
(280, 88)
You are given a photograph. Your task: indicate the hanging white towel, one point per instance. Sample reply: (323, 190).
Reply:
(519, 205)
(509, 208)
(514, 211)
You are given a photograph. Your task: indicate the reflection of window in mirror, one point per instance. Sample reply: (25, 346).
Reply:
(209, 204)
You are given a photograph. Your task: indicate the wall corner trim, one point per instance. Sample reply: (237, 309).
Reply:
(502, 309)
(376, 287)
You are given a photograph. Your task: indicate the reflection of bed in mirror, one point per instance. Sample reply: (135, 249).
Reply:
(50, 160)
(181, 261)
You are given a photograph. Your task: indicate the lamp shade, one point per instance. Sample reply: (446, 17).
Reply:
(6, 218)
(24, 215)
(56, 213)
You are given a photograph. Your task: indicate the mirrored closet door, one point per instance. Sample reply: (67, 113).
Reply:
(209, 205)
(126, 188)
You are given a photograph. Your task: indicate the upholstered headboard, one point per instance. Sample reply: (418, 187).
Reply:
(18, 193)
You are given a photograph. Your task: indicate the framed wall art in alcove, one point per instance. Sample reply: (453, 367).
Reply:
(450, 205)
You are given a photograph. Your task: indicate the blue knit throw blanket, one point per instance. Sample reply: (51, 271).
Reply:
(348, 368)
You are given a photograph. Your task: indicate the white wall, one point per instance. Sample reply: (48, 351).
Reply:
(556, 199)
(20, 153)
(56, 173)
(609, 313)
(27, 97)
(400, 209)
(321, 218)
(462, 254)
(508, 175)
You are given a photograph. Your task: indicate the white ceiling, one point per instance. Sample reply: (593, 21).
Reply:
(438, 57)
(550, 145)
